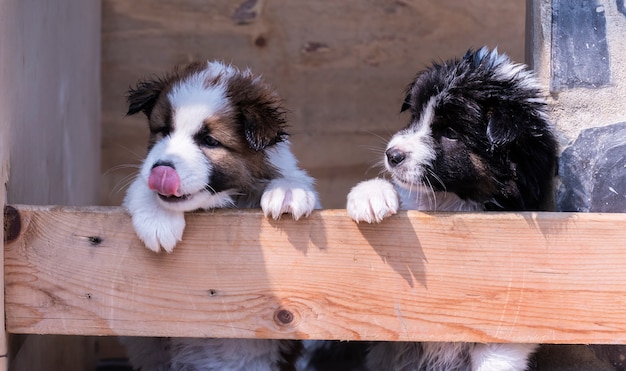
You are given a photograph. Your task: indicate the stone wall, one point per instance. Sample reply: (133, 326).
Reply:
(579, 53)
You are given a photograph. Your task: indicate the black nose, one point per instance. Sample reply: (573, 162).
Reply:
(164, 163)
(395, 156)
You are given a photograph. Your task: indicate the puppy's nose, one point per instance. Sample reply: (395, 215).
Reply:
(395, 156)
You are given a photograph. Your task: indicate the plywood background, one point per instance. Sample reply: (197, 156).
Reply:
(340, 66)
(50, 59)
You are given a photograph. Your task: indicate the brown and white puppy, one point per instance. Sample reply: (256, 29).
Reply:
(217, 139)
(478, 139)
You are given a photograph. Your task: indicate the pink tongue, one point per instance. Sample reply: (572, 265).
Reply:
(165, 181)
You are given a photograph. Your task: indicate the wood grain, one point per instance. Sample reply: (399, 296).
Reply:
(522, 277)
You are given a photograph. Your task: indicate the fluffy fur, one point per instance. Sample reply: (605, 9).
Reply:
(478, 139)
(217, 139)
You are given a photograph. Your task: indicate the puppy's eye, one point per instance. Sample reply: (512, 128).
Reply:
(450, 133)
(207, 141)
(162, 131)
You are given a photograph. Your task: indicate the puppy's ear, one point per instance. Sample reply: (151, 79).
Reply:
(506, 124)
(261, 116)
(406, 104)
(144, 96)
(263, 124)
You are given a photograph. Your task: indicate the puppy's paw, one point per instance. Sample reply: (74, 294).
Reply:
(372, 201)
(155, 226)
(288, 196)
(160, 229)
(501, 357)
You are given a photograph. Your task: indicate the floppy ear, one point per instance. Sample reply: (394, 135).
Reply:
(406, 104)
(261, 116)
(144, 96)
(506, 124)
(263, 124)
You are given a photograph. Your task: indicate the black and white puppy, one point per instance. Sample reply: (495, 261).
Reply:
(478, 139)
(217, 139)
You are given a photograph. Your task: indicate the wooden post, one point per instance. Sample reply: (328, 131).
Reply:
(4, 177)
(6, 38)
(50, 133)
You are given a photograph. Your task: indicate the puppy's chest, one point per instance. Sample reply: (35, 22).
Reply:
(435, 201)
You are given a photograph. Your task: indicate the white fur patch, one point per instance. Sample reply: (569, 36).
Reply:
(156, 226)
(501, 357)
(372, 200)
(293, 192)
(417, 144)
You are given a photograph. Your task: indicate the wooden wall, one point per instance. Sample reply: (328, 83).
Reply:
(52, 96)
(49, 133)
(340, 66)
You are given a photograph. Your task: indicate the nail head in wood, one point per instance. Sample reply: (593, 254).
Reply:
(95, 240)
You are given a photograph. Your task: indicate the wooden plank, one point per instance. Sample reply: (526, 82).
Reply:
(522, 277)
(7, 72)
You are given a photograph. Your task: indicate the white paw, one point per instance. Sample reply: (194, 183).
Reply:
(288, 196)
(161, 229)
(372, 201)
(501, 357)
(155, 226)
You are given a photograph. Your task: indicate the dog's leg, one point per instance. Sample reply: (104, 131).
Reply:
(293, 191)
(231, 354)
(155, 226)
(372, 200)
(501, 357)
(147, 353)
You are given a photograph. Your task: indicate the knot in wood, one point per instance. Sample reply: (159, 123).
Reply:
(260, 41)
(283, 317)
(12, 223)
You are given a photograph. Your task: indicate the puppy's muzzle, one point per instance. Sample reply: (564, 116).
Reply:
(165, 181)
(395, 156)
